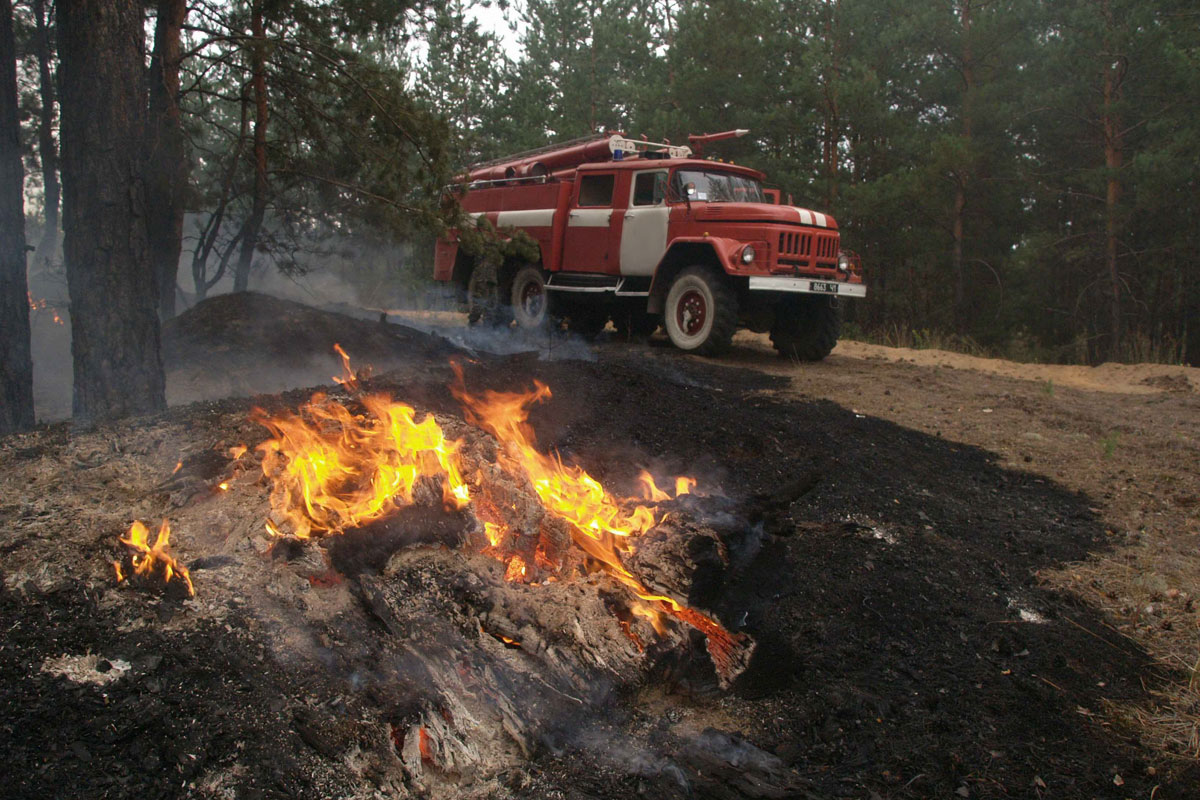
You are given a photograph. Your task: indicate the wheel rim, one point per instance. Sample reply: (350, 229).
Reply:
(533, 299)
(691, 312)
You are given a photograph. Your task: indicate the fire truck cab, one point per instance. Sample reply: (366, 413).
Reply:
(646, 234)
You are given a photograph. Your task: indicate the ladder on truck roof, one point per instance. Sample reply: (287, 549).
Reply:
(540, 163)
(524, 155)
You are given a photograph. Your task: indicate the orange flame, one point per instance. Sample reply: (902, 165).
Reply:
(598, 522)
(146, 559)
(650, 489)
(684, 485)
(237, 451)
(334, 470)
(347, 379)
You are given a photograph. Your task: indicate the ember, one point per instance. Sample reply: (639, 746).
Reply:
(148, 560)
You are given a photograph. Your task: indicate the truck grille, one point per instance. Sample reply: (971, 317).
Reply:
(801, 246)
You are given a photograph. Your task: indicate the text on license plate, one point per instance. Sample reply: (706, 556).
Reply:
(818, 286)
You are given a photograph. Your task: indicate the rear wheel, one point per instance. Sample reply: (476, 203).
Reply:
(806, 327)
(485, 305)
(701, 311)
(529, 297)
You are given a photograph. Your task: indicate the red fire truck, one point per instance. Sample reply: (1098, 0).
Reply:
(649, 233)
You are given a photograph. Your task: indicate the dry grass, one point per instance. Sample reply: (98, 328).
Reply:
(1149, 591)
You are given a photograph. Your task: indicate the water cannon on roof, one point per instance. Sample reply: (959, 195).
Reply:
(697, 141)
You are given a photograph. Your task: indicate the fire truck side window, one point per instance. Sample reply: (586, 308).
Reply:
(649, 188)
(596, 190)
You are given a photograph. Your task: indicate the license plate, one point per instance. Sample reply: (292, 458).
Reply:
(818, 286)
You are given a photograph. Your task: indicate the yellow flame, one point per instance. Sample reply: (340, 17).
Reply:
(333, 470)
(146, 558)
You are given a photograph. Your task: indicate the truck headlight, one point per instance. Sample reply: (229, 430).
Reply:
(748, 254)
(844, 262)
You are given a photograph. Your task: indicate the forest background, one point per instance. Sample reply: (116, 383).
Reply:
(1019, 176)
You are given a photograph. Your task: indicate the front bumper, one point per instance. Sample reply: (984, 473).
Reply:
(806, 286)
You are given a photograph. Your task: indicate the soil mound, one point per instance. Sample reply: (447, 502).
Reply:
(243, 344)
(258, 325)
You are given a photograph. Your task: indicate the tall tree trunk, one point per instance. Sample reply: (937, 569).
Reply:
(832, 121)
(16, 366)
(963, 179)
(253, 224)
(1114, 151)
(47, 250)
(166, 165)
(114, 325)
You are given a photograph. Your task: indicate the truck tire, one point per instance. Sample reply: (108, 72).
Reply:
(701, 311)
(806, 328)
(485, 304)
(529, 298)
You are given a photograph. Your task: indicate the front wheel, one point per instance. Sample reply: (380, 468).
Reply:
(529, 297)
(806, 328)
(701, 311)
(485, 305)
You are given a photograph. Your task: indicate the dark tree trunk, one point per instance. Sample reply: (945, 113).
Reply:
(47, 249)
(16, 365)
(166, 166)
(253, 224)
(114, 324)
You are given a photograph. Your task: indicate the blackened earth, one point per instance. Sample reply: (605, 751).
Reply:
(906, 646)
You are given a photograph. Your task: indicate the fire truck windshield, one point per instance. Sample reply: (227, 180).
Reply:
(714, 187)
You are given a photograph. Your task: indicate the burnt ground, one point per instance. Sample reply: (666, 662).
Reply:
(909, 644)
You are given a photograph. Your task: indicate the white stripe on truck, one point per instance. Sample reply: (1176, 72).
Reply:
(533, 218)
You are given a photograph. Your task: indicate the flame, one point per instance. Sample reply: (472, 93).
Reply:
(652, 616)
(348, 378)
(43, 305)
(333, 469)
(650, 490)
(223, 486)
(146, 559)
(684, 485)
(237, 451)
(494, 533)
(178, 466)
(598, 522)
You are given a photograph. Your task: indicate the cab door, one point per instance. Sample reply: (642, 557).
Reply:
(587, 242)
(644, 234)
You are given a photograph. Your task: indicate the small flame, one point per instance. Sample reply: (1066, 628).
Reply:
(43, 305)
(650, 489)
(652, 616)
(178, 466)
(684, 485)
(146, 558)
(237, 451)
(349, 379)
(271, 529)
(223, 486)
